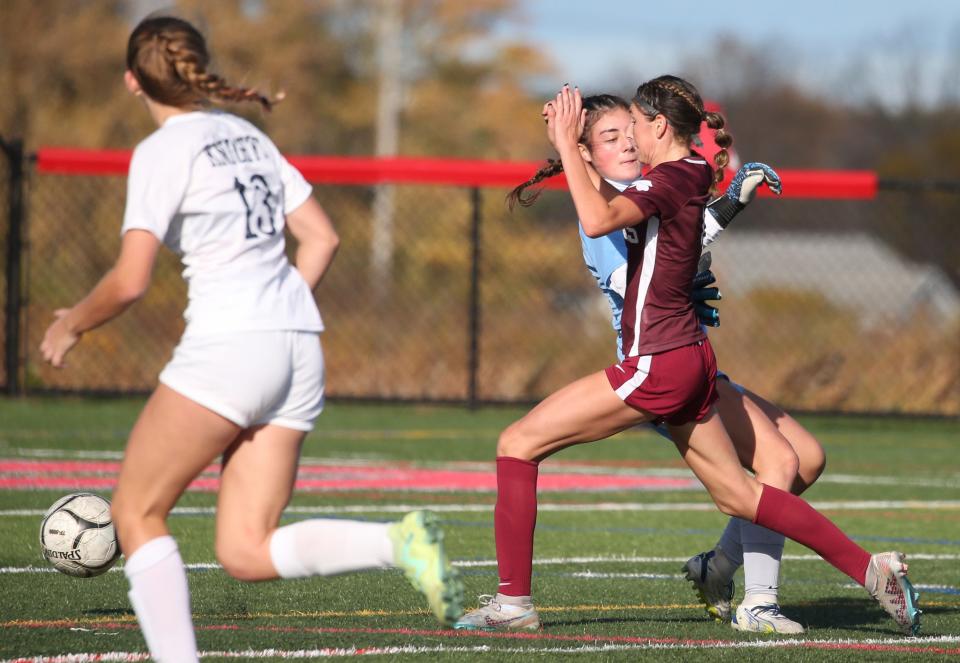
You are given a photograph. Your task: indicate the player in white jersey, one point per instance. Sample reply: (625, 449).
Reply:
(247, 379)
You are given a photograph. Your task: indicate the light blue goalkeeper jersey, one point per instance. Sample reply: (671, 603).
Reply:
(606, 258)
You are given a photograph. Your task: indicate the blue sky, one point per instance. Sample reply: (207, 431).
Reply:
(892, 49)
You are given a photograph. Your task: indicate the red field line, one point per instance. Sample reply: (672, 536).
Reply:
(100, 475)
(525, 636)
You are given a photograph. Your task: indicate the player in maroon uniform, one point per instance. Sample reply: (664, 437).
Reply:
(669, 370)
(764, 435)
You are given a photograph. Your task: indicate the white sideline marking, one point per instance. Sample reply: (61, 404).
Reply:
(552, 561)
(438, 649)
(837, 505)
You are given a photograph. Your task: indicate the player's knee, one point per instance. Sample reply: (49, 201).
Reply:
(739, 501)
(812, 464)
(780, 468)
(729, 506)
(243, 560)
(513, 442)
(127, 516)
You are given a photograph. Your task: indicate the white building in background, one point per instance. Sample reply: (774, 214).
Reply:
(855, 271)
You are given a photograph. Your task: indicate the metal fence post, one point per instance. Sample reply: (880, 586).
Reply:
(14, 153)
(473, 365)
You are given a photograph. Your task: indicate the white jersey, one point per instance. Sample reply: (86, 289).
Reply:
(215, 190)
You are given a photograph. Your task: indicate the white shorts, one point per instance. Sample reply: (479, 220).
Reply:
(252, 378)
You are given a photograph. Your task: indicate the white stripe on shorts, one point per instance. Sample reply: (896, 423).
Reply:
(643, 370)
(646, 276)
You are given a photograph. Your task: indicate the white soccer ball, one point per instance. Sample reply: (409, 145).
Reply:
(77, 535)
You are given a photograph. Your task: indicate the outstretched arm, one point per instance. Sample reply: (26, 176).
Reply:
(719, 213)
(126, 282)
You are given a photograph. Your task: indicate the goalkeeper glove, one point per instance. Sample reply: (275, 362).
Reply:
(742, 190)
(700, 293)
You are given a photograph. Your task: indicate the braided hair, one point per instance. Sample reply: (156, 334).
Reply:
(596, 106)
(679, 101)
(169, 59)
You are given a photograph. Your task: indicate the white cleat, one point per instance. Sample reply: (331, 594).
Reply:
(495, 616)
(763, 618)
(887, 582)
(715, 591)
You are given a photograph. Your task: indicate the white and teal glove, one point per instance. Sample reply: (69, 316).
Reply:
(721, 211)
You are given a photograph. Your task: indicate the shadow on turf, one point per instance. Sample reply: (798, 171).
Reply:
(854, 614)
(108, 612)
(849, 614)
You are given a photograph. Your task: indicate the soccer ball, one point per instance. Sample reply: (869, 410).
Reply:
(77, 535)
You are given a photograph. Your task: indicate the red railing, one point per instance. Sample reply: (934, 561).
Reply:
(834, 184)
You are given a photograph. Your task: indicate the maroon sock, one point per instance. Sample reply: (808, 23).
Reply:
(791, 516)
(514, 519)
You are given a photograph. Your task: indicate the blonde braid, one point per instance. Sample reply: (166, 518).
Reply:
(192, 70)
(169, 58)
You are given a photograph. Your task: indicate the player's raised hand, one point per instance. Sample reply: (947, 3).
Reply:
(568, 119)
(58, 339)
(749, 178)
(549, 113)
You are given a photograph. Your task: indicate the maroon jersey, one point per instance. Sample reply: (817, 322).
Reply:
(662, 254)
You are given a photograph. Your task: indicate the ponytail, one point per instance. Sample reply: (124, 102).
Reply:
(723, 140)
(551, 168)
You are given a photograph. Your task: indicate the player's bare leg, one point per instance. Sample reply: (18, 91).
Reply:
(884, 574)
(583, 411)
(760, 446)
(259, 472)
(173, 440)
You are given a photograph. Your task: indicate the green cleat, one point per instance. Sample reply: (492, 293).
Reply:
(418, 551)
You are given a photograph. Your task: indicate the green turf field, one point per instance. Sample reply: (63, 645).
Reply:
(606, 579)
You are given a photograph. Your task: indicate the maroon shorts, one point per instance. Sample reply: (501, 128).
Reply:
(678, 385)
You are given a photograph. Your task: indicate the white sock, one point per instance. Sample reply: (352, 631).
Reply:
(730, 543)
(327, 547)
(762, 550)
(161, 599)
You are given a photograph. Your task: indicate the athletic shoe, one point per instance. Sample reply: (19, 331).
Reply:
(887, 582)
(495, 616)
(418, 550)
(715, 592)
(763, 618)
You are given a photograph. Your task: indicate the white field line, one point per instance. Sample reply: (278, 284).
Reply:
(836, 505)
(552, 561)
(338, 652)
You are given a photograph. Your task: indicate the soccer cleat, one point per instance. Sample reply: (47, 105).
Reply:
(763, 618)
(495, 616)
(714, 591)
(887, 582)
(418, 550)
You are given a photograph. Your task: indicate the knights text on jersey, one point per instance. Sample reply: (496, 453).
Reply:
(662, 254)
(215, 190)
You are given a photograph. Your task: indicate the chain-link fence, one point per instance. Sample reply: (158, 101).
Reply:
(439, 294)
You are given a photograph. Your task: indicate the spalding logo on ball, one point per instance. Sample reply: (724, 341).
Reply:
(77, 535)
